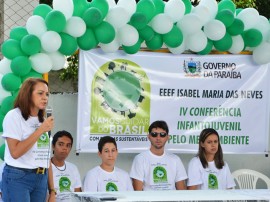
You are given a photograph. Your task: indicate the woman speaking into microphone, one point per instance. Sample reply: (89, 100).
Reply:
(27, 173)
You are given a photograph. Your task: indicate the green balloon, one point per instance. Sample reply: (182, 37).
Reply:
(1, 121)
(18, 33)
(148, 8)
(11, 48)
(21, 65)
(55, 21)
(238, 10)
(11, 82)
(15, 93)
(236, 28)
(80, 7)
(252, 37)
(102, 5)
(2, 151)
(30, 44)
(155, 43)
(7, 104)
(68, 45)
(188, 6)
(88, 40)
(224, 44)
(147, 33)
(138, 20)
(207, 49)
(31, 74)
(226, 4)
(92, 17)
(226, 16)
(133, 49)
(104, 32)
(159, 6)
(174, 38)
(42, 10)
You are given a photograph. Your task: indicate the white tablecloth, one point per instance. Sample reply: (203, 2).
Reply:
(195, 195)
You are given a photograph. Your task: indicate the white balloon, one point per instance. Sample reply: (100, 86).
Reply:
(5, 66)
(75, 26)
(110, 47)
(111, 3)
(65, 6)
(203, 13)
(175, 9)
(117, 17)
(129, 5)
(50, 41)
(263, 26)
(212, 5)
(249, 16)
(3, 92)
(267, 38)
(185, 24)
(261, 54)
(36, 25)
(128, 35)
(178, 50)
(58, 60)
(214, 30)
(161, 23)
(196, 42)
(41, 63)
(237, 45)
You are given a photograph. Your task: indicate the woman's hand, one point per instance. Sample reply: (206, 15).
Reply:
(47, 124)
(51, 197)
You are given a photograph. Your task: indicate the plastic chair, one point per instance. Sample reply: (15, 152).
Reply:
(247, 179)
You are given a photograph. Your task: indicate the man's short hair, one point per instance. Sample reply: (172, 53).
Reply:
(159, 124)
(61, 134)
(104, 140)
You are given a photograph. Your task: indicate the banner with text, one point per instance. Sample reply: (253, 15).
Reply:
(121, 95)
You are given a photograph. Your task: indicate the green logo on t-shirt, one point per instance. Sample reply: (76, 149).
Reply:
(111, 187)
(43, 141)
(212, 181)
(64, 184)
(159, 174)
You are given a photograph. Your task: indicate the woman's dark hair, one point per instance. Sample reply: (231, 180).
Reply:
(104, 140)
(159, 124)
(24, 99)
(218, 158)
(61, 133)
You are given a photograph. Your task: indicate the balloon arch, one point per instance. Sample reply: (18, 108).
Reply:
(52, 34)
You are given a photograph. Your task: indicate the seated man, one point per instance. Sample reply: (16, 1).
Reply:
(156, 169)
(65, 174)
(107, 177)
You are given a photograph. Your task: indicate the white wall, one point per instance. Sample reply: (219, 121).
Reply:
(65, 113)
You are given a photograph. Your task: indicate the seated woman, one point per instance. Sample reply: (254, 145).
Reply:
(208, 170)
(107, 177)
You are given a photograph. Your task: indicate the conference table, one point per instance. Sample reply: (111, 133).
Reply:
(262, 195)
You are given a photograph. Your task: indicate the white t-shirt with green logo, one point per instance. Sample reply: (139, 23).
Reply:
(66, 179)
(14, 126)
(99, 180)
(210, 177)
(158, 172)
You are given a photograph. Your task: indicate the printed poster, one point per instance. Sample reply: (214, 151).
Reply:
(121, 95)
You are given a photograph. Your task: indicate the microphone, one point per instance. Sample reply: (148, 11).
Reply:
(48, 111)
(48, 114)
